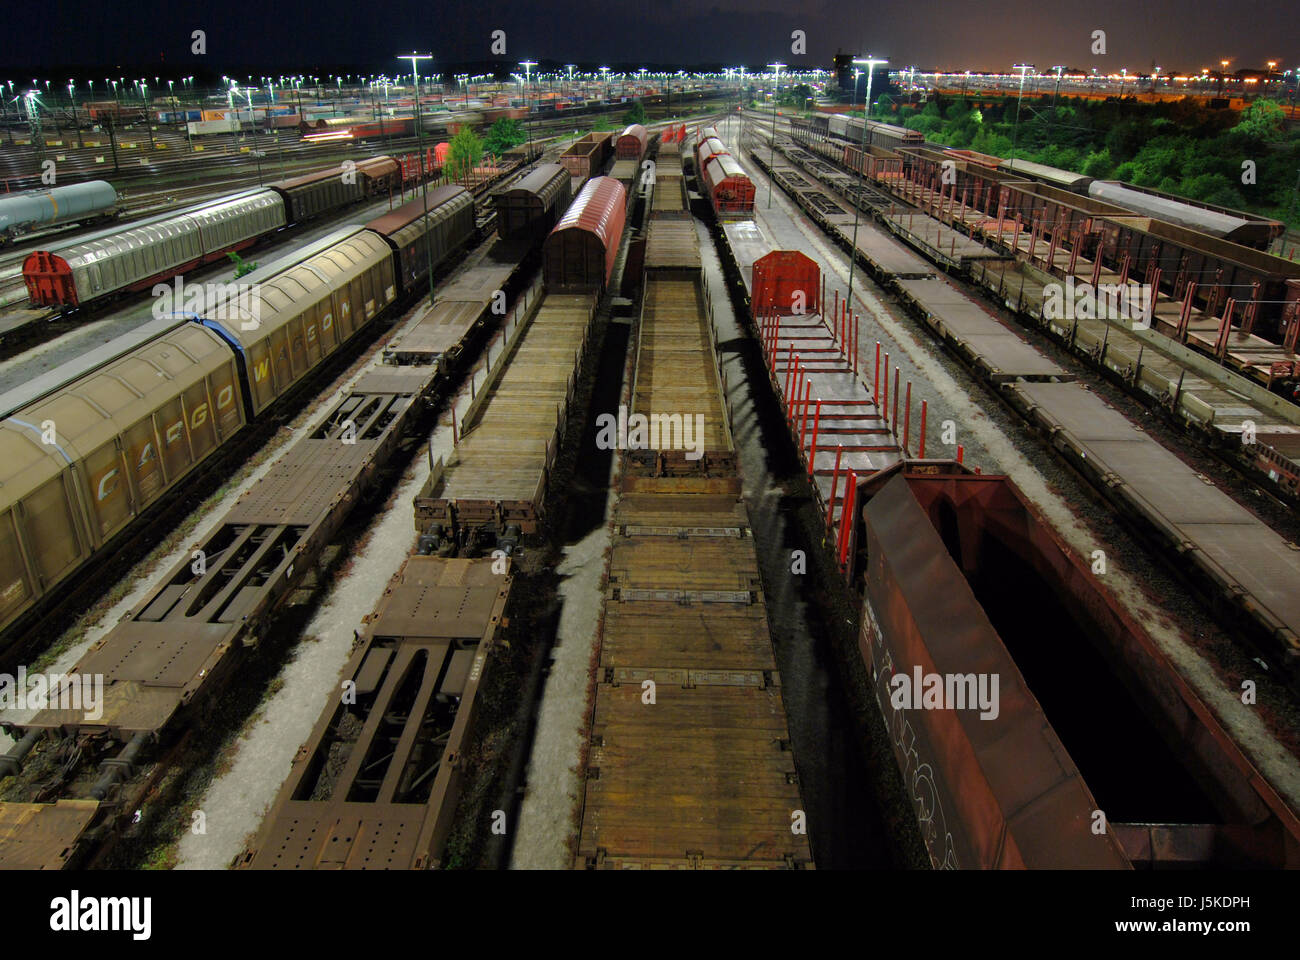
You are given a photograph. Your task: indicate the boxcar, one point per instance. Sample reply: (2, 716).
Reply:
(632, 142)
(314, 194)
(86, 448)
(448, 226)
(1213, 220)
(535, 202)
(379, 176)
(302, 314)
(136, 256)
(729, 187)
(706, 150)
(579, 253)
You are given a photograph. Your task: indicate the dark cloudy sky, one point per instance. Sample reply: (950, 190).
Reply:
(971, 34)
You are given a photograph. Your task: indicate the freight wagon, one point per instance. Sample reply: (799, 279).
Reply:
(533, 202)
(203, 128)
(86, 449)
(586, 157)
(632, 142)
(121, 260)
(579, 253)
(84, 203)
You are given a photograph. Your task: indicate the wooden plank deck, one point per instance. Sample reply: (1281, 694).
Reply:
(502, 454)
(675, 371)
(703, 777)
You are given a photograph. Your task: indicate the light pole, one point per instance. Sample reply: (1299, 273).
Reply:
(1052, 121)
(415, 59)
(776, 89)
(1015, 131)
(528, 114)
(1223, 76)
(871, 62)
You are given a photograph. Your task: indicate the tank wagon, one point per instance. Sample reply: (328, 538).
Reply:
(533, 202)
(87, 202)
(130, 421)
(579, 253)
(117, 260)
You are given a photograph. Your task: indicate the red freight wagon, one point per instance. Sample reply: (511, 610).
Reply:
(580, 251)
(729, 187)
(631, 142)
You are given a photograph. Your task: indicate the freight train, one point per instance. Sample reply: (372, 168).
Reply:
(117, 261)
(82, 203)
(88, 448)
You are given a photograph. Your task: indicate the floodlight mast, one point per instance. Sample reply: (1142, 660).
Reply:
(871, 63)
(415, 58)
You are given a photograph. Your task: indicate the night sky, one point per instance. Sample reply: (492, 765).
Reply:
(289, 35)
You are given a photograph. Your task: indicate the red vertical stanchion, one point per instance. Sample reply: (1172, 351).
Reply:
(907, 419)
(789, 372)
(857, 328)
(846, 516)
(884, 406)
(921, 443)
(875, 389)
(835, 482)
(961, 453)
(812, 451)
(897, 371)
(803, 413)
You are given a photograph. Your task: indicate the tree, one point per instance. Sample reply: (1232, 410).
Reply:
(505, 133)
(1263, 120)
(465, 153)
(1098, 165)
(635, 115)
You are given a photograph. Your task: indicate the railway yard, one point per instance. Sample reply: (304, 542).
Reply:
(731, 489)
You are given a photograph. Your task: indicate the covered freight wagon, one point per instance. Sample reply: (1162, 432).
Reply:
(580, 252)
(447, 227)
(729, 187)
(140, 254)
(1211, 219)
(130, 418)
(534, 202)
(706, 150)
(632, 142)
(304, 312)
